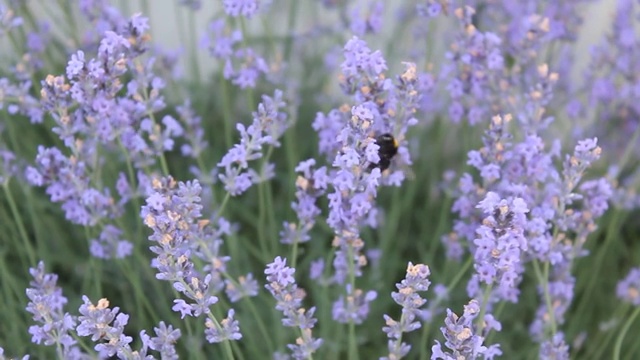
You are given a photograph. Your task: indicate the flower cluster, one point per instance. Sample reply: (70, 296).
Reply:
(354, 306)
(46, 303)
(96, 321)
(242, 65)
(246, 8)
(555, 348)
(628, 289)
(193, 131)
(173, 212)
(462, 339)
(16, 93)
(499, 247)
(310, 185)
(350, 145)
(110, 244)
(282, 285)
(433, 8)
(227, 329)
(416, 280)
(106, 326)
(554, 198)
(107, 115)
(475, 63)
(96, 115)
(8, 20)
(269, 123)
(368, 23)
(613, 94)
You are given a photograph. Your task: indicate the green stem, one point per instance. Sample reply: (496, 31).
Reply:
(226, 112)
(623, 333)
(291, 23)
(353, 344)
(632, 145)
(255, 313)
(543, 280)
(20, 224)
(140, 295)
(483, 309)
(294, 253)
(195, 64)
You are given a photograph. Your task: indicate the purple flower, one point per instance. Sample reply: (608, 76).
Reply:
(46, 304)
(269, 124)
(227, 329)
(346, 140)
(106, 326)
(8, 20)
(461, 338)
(416, 280)
(282, 285)
(370, 22)
(109, 245)
(164, 341)
(235, 8)
(353, 307)
(561, 210)
(614, 88)
(555, 348)
(473, 68)
(246, 286)
(68, 181)
(8, 165)
(194, 132)
(222, 42)
(359, 58)
(432, 8)
(278, 272)
(628, 289)
(242, 65)
(174, 219)
(499, 245)
(180, 236)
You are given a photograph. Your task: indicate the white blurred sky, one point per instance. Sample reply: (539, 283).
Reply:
(172, 23)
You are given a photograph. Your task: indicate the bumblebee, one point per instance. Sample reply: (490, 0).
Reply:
(388, 149)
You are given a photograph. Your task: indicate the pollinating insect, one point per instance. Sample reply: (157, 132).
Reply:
(388, 149)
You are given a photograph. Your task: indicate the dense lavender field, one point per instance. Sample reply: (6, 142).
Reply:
(429, 179)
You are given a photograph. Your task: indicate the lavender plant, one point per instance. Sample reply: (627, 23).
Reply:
(325, 145)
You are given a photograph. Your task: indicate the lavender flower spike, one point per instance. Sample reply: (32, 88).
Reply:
(282, 285)
(461, 339)
(417, 279)
(628, 289)
(45, 303)
(107, 326)
(269, 124)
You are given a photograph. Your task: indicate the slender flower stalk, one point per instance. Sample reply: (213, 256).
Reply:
(282, 286)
